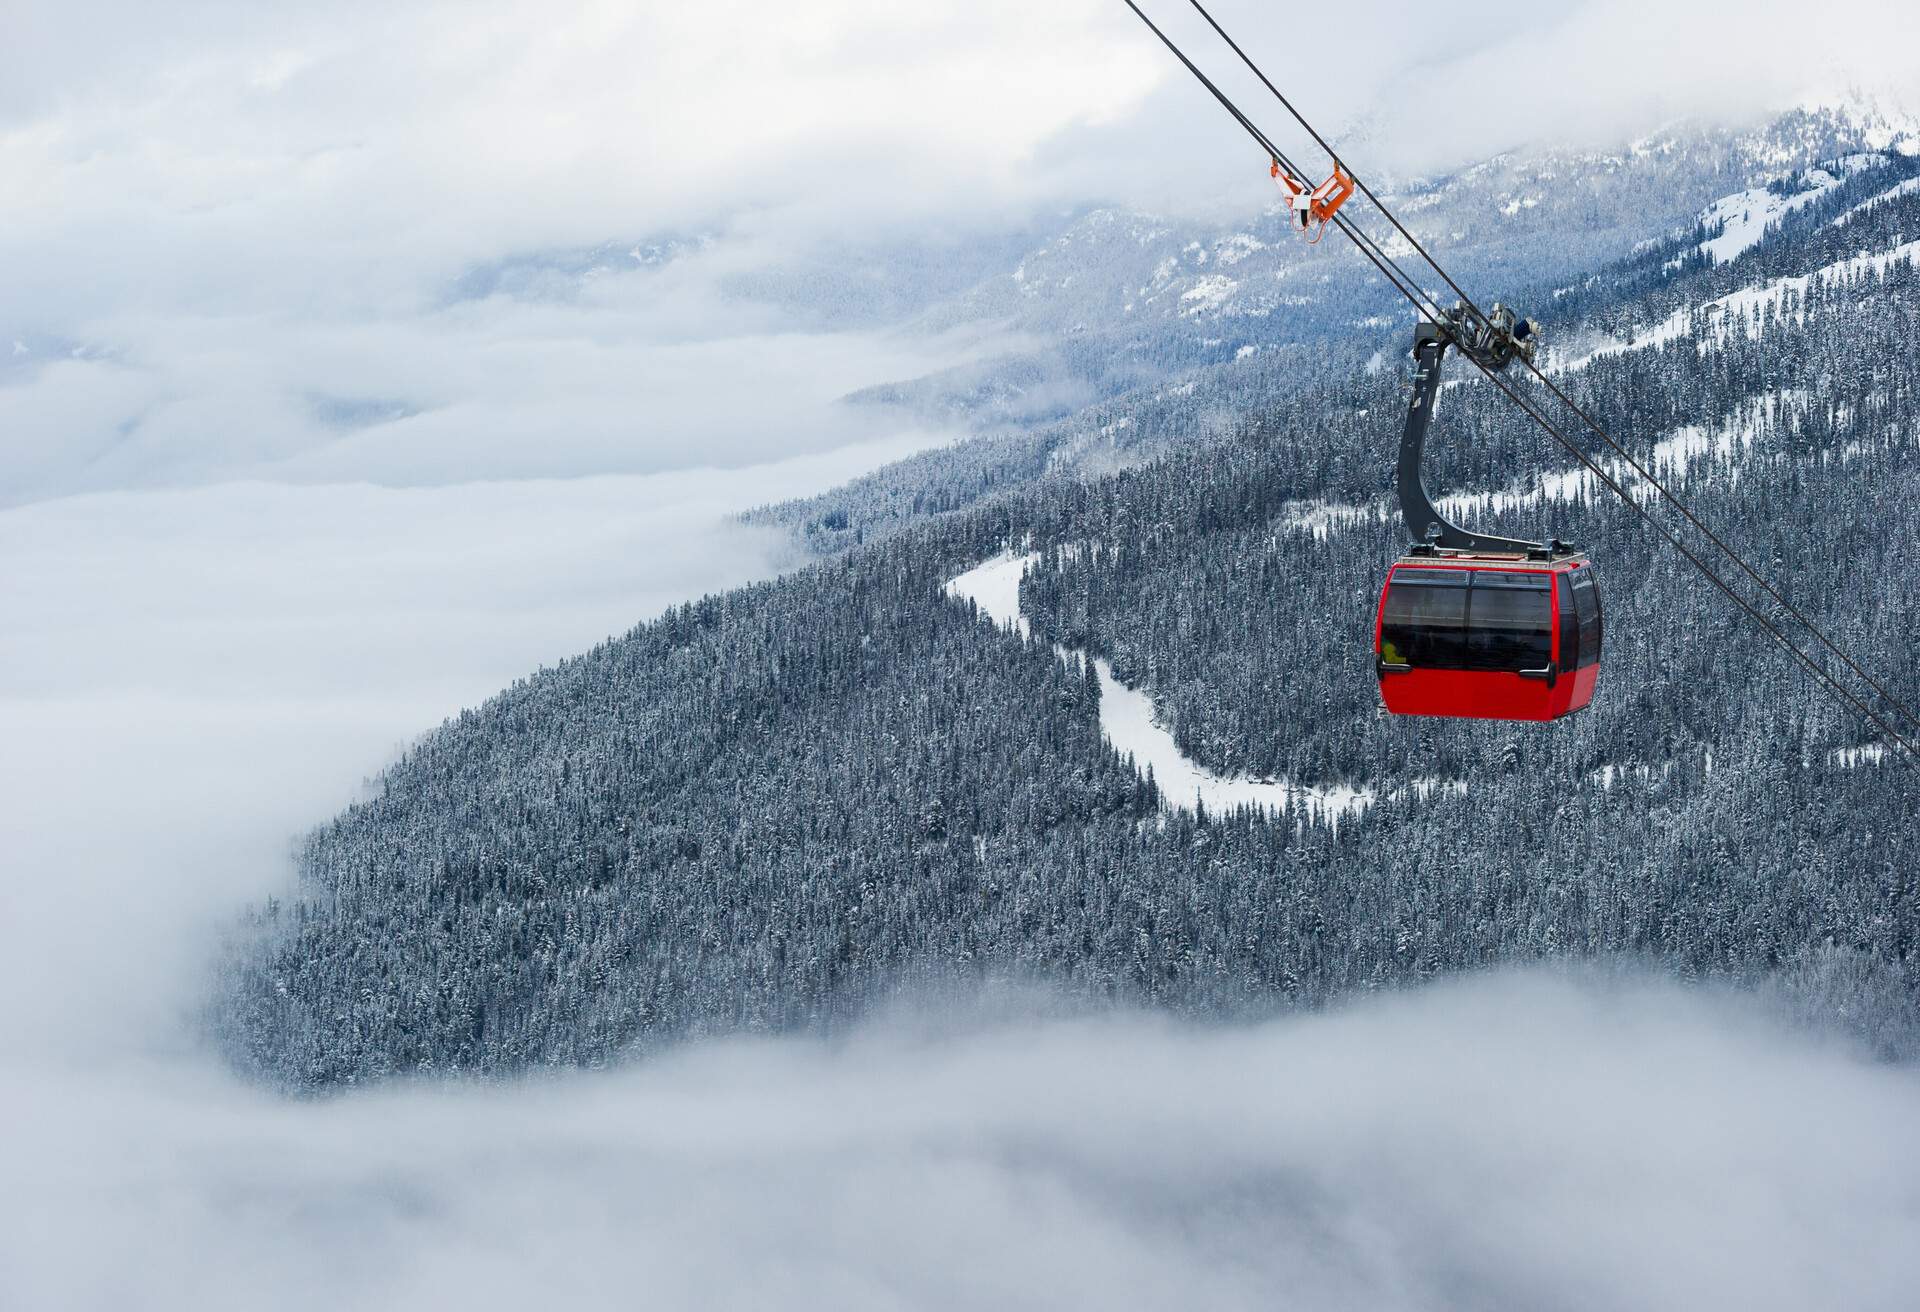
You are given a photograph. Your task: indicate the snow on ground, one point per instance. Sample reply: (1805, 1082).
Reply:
(1745, 216)
(1743, 311)
(1668, 329)
(1745, 306)
(1906, 188)
(1129, 724)
(1321, 519)
(994, 586)
(1608, 775)
(1672, 458)
(1207, 295)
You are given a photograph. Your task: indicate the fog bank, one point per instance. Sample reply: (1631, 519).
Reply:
(1522, 1141)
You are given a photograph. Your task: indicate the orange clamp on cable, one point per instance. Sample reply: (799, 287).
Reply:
(1313, 210)
(1330, 195)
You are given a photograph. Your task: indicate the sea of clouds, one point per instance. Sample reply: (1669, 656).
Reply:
(194, 676)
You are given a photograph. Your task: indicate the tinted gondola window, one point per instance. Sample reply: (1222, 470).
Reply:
(1424, 623)
(1586, 604)
(1510, 621)
(1569, 625)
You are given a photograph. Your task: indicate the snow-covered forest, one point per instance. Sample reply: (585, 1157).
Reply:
(773, 807)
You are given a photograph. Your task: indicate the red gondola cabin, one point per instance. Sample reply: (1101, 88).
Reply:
(1490, 637)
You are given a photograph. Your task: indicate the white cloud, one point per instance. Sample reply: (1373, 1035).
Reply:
(191, 679)
(237, 214)
(397, 141)
(1512, 1142)
(487, 390)
(235, 209)
(247, 157)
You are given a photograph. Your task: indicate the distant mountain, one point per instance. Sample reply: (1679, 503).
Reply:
(765, 810)
(561, 274)
(1144, 345)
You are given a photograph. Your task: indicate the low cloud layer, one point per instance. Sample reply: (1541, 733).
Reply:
(188, 692)
(490, 392)
(191, 679)
(1518, 1141)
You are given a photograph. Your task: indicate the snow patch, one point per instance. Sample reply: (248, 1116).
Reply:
(994, 586)
(1608, 775)
(1207, 295)
(1744, 217)
(1321, 519)
(1130, 727)
(1128, 723)
(1232, 250)
(1745, 310)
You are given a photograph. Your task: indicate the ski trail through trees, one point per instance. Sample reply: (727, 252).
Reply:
(1128, 723)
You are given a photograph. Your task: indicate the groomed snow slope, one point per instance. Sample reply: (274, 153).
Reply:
(1127, 718)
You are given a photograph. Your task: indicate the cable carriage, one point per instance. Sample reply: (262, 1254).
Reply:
(1471, 624)
(1488, 637)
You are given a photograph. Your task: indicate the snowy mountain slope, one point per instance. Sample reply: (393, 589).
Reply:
(1753, 311)
(1515, 219)
(770, 809)
(1132, 729)
(1781, 382)
(1743, 218)
(1107, 304)
(1851, 249)
(1638, 302)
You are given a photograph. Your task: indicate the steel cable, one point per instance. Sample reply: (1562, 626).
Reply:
(1423, 303)
(1585, 417)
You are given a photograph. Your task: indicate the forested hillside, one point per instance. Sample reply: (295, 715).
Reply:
(1787, 417)
(766, 809)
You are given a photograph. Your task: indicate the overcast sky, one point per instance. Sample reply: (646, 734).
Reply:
(248, 219)
(266, 148)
